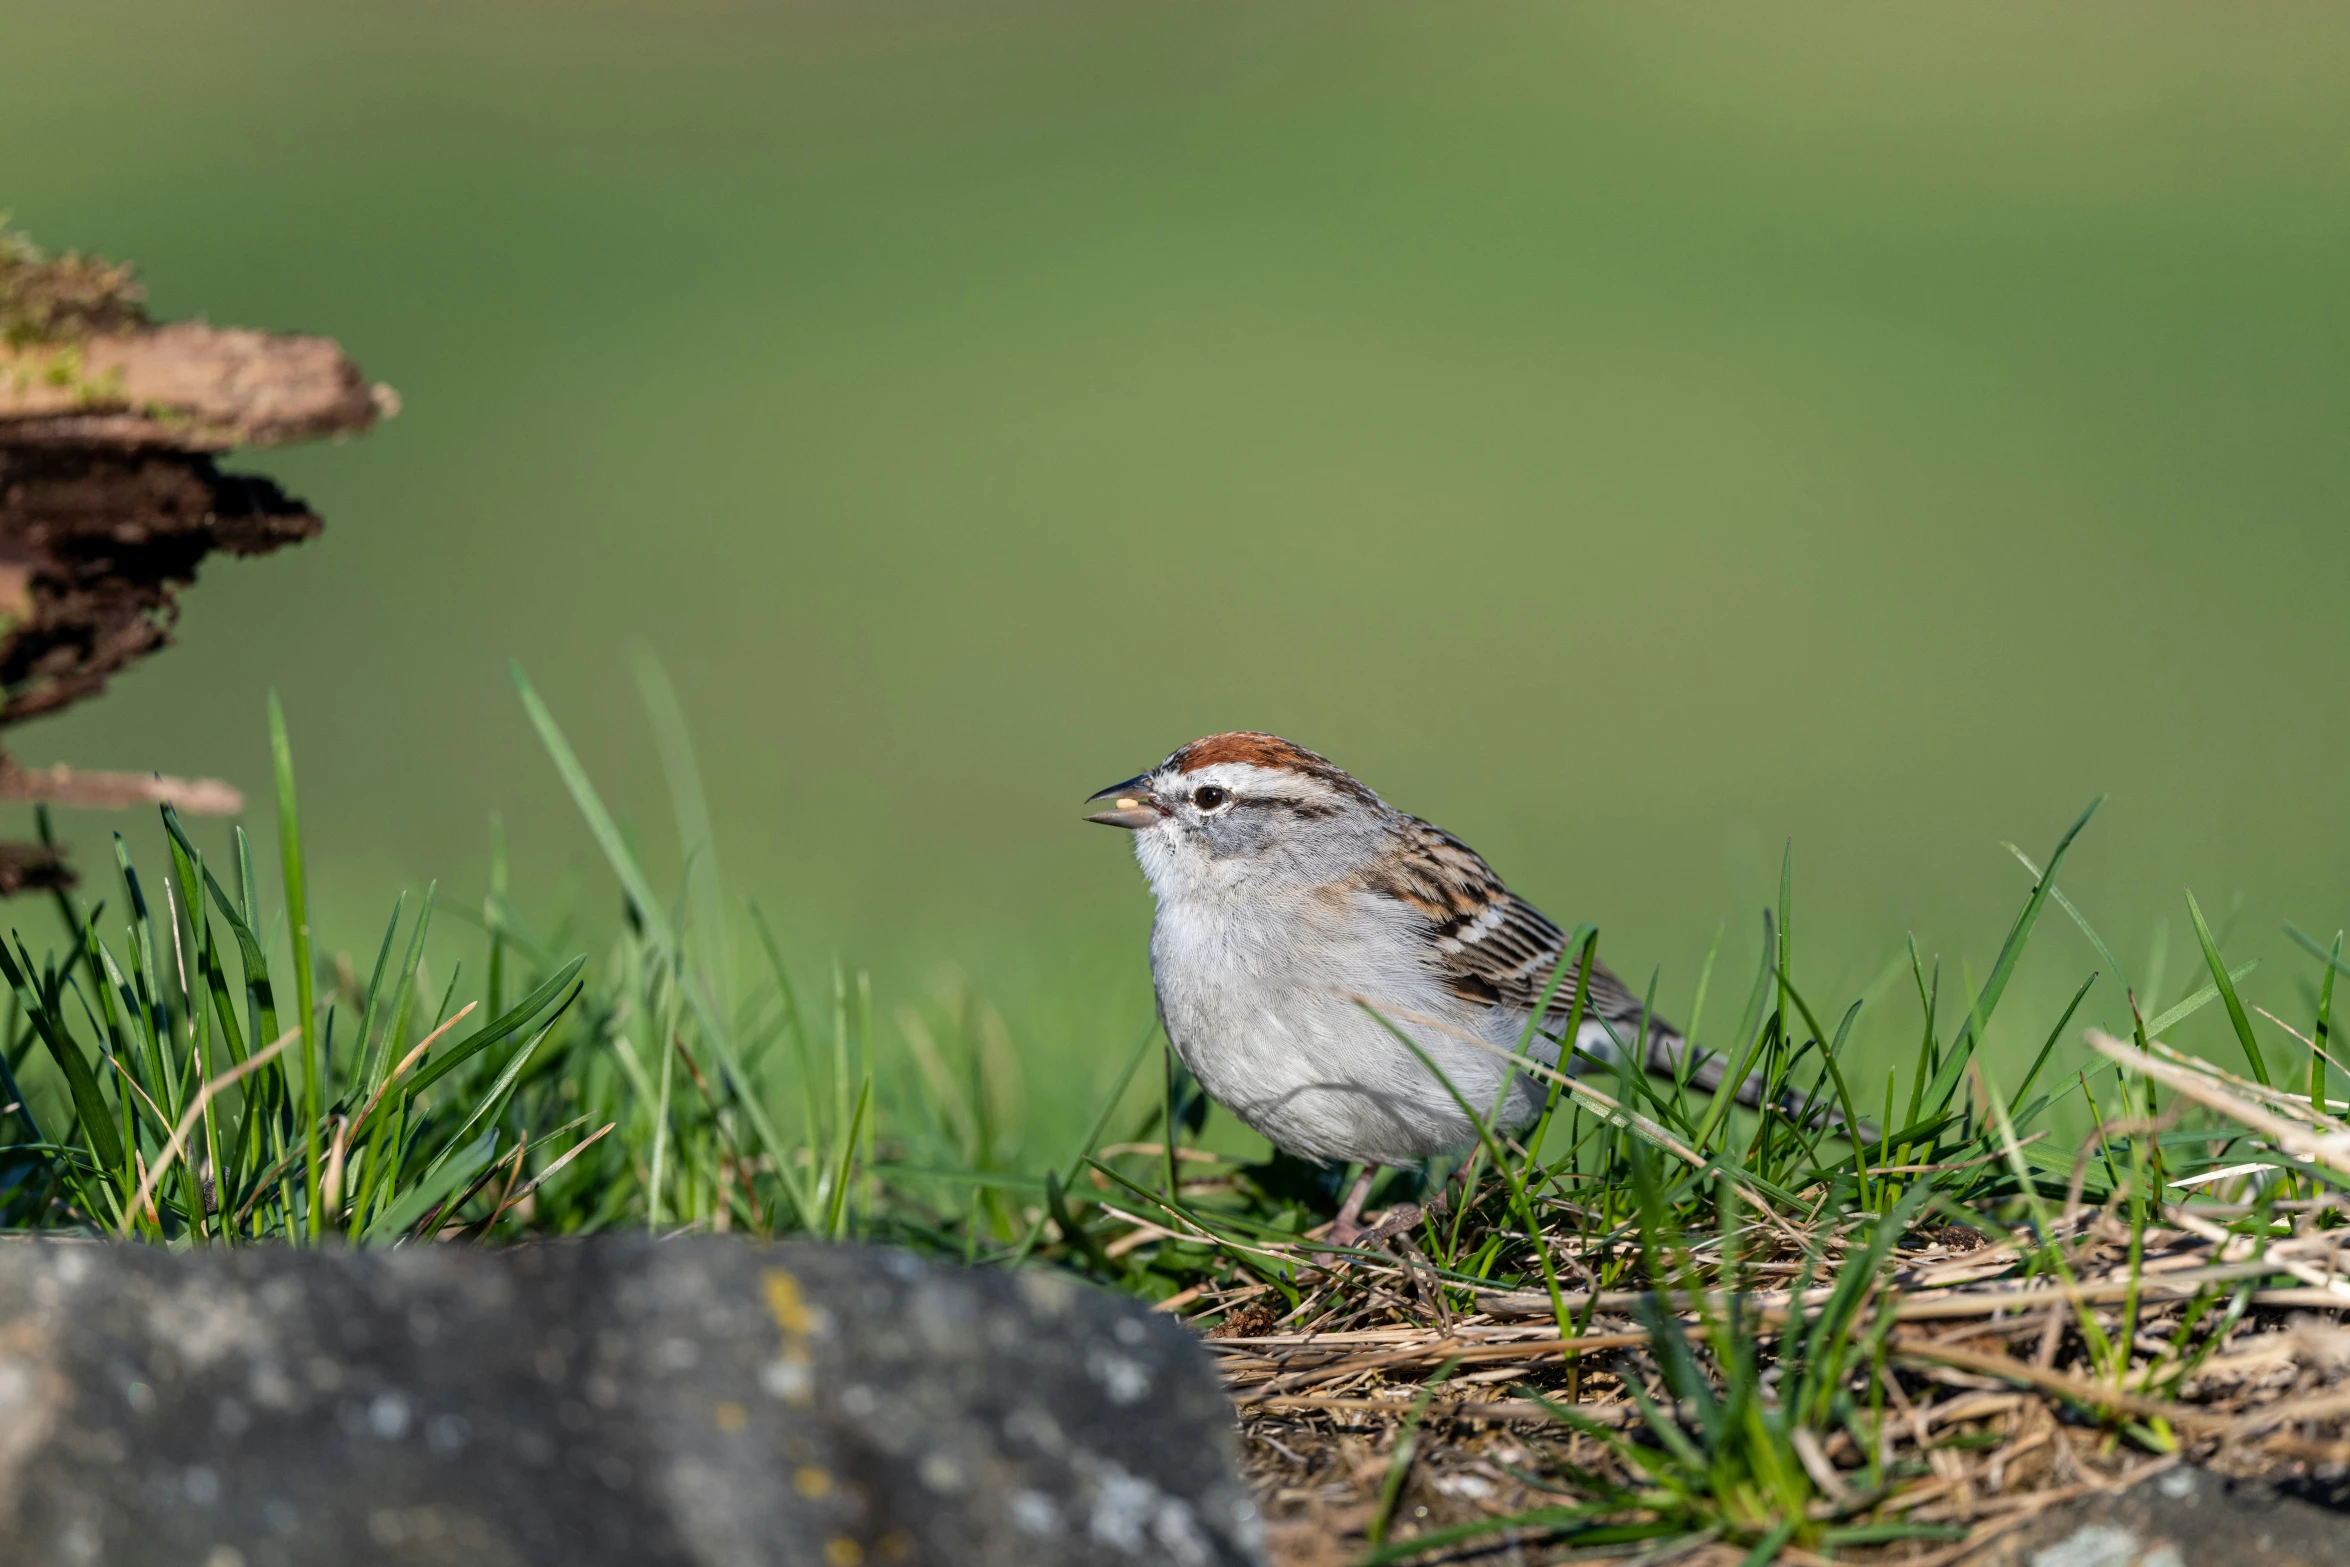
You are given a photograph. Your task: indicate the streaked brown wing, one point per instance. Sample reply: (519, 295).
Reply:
(1490, 944)
(1493, 946)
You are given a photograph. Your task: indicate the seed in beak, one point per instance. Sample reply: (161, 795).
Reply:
(1131, 805)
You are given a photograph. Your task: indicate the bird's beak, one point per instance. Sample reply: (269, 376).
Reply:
(1131, 805)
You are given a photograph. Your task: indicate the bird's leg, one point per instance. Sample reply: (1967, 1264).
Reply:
(1348, 1226)
(1401, 1219)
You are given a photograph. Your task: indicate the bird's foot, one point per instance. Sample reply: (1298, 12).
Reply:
(1349, 1228)
(1395, 1221)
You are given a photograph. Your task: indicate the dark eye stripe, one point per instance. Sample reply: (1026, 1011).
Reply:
(1296, 805)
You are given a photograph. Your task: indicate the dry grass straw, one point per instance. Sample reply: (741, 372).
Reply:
(2017, 1369)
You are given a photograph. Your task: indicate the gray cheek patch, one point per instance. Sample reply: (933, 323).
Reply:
(1235, 831)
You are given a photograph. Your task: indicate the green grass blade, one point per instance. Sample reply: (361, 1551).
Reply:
(2156, 1027)
(2226, 985)
(600, 824)
(2310, 944)
(780, 1153)
(418, 1200)
(2321, 1034)
(1582, 949)
(1093, 1134)
(2052, 1248)
(404, 986)
(515, 1020)
(1887, 1533)
(494, 913)
(2011, 952)
(363, 1065)
(81, 1083)
(289, 844)
(492, 1103)
(1705, 979)
(143, 996)
(1750, 1016)
(844, 1169)
(1929, 997)
(1741, 1063)
(252, 957)
(1562, 1521)
(790, 1021)
(23, 1106)
(696, 841)
(2054, 1034)
(2105, 955)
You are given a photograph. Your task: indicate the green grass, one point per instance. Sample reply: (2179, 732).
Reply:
(160, 1089)
(155, 1089)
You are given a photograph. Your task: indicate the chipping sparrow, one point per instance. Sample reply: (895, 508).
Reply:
(1289, 898)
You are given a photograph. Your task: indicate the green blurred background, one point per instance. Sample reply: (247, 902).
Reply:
(1632, 436)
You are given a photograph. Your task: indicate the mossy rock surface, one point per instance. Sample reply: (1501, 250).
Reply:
(620, 1400)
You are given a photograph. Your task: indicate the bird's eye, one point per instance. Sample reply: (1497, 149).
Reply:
(1209, 798)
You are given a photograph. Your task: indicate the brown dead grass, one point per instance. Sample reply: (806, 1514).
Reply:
(1996, 1405)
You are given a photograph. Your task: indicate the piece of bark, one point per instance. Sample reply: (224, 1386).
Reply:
(109, 498)
(185, 387)
(95, 547)
(32, 867)
(95, 791)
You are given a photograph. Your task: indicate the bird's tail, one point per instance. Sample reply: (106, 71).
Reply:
(1670, 1056)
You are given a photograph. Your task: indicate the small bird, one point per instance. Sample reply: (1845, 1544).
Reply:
(1291, 899)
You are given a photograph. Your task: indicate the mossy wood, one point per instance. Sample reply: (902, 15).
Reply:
(110, 497)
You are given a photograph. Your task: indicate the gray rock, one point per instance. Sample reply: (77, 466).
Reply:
(691, 1402)
(2183, 1517)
